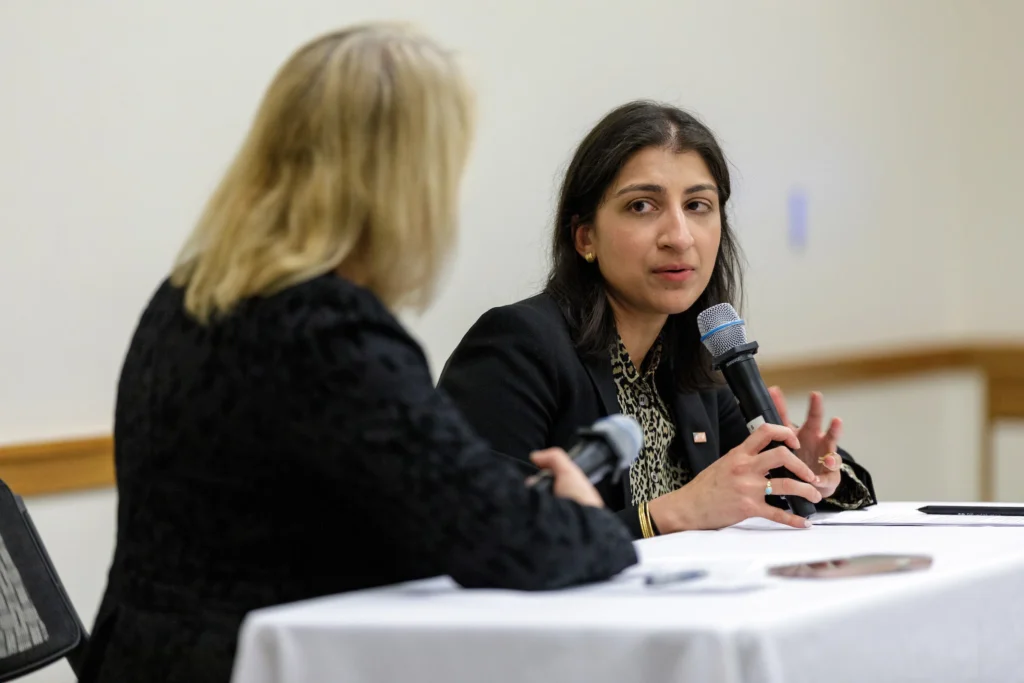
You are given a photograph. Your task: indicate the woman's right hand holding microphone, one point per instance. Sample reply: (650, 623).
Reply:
(733, 488)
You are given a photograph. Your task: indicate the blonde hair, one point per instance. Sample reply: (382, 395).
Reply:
(353, 161)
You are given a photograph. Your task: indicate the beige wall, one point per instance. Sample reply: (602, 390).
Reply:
(992, 168)
(1008, 449)
(919, 437)
(898, 119)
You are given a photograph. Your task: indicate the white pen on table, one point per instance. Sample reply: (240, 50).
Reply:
(664, 578)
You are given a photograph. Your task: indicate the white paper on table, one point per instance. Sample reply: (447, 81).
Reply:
(909, 516)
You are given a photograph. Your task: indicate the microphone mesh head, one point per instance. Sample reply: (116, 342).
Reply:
(721, 329)
(624, 435)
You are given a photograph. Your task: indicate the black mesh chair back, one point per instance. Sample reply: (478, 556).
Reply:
(38, 624)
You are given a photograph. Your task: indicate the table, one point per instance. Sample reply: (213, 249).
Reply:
(961, 620)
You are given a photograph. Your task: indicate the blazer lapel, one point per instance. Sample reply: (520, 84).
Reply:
(695, 433)
(600, 371)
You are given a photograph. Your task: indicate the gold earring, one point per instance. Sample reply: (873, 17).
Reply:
(589, 258)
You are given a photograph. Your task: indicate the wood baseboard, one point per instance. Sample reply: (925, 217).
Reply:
(69, 465)
(998, 362)
(58, 466)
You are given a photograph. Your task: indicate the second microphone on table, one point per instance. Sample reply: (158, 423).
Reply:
(609, 447)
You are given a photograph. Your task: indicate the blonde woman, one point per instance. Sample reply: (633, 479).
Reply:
(277, 433)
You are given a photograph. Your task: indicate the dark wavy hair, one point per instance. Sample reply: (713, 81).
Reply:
(578, 286)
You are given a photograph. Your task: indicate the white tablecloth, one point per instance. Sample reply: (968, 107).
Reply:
(961, 620)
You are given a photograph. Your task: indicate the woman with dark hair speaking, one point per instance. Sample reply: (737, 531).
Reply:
(642, 244)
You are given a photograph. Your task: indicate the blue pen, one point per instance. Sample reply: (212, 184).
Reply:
(674, 577)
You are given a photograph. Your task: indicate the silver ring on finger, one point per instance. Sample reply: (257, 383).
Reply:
(768, 486)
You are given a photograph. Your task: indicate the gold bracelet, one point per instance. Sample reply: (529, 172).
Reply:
(646, 528)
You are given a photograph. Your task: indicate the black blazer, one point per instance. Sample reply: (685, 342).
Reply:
(519, 381)
(298, 448)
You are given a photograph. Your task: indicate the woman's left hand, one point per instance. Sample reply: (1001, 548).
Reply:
(819, 450)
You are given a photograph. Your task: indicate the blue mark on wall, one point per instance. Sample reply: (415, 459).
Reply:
(797, 214)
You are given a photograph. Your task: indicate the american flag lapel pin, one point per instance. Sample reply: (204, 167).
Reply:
(700, 437)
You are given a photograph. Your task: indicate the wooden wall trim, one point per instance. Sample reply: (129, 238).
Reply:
(69, 465)
(58, 466)
(1002, 361)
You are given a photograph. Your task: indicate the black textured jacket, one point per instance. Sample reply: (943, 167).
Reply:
(298, 448)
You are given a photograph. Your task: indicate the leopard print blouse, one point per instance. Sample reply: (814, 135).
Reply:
(653, 474)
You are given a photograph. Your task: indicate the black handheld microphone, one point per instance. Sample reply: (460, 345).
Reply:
(724, 335)
(609, 447)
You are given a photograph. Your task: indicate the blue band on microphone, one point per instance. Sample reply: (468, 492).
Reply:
(731, 323)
